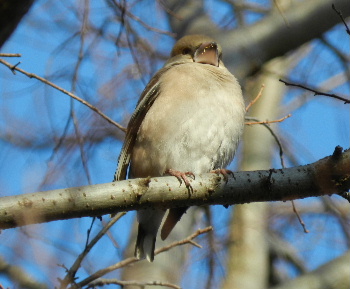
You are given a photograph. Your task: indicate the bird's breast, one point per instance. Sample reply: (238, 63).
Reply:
(194, 124)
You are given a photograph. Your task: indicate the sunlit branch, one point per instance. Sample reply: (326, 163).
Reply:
(268, 121)
(101, 282)
(256, 98)
(327, 176)
(10, 55)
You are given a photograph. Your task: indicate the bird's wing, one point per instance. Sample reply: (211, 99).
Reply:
(146, 100)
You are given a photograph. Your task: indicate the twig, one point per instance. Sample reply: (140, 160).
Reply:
(169, 11)
(269, 121)
(69, 278)
(144, 24)
(102, 282)
(77, 67)
(256, 98)
(10, 55)
(315, 91)
(188, 240)
(299, 218)
(132, 260)
(274, 136)
(342, 19)
(281, 159)
(84, 102)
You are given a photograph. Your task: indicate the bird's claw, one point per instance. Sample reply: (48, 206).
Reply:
(224, 173)
(181, 176)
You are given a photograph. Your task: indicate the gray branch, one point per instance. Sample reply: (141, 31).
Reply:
(332, 275)
(248, 48)
(325, 177)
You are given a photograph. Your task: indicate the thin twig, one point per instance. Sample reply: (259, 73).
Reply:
(299, 218)
(184, 241)
(315, 91)
(84, 102)
(282, 161)
(274, 136)
(125, 11)
(256, 98)
(342, 19)
(169, 11)
(79, 62)
(69, 278)
(269, 121)
(10, 55)
(132, 260)
(102, 282)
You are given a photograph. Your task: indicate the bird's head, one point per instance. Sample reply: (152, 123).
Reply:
(198, 48)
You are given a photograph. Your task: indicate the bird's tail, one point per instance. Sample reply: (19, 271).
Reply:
(173, 217)
(145, 245)
(149, 222)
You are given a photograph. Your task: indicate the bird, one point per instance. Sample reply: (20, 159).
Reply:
(188, 121)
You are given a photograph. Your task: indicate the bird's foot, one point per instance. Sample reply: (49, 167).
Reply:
(224, 172)
(181, 176)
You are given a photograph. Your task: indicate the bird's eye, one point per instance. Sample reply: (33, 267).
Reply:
(186, 51)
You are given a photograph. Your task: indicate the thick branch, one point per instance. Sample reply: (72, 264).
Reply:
(324, 177)
(247, 48)
(333, 275)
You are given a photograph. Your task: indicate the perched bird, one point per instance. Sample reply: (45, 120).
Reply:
(188, 120)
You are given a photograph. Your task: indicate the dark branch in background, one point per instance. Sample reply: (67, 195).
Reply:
(14, 68)
(11, 13)
(251, 46)
(315, 91)
(342, 19)
(77, 130)
(70, 277)
(343, 59)
(126, 12)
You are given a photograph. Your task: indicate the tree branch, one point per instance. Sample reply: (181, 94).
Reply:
(252, 45)
(346, 101)
(332, 275)
(327, 176)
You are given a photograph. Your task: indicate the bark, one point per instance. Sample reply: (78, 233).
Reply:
(325, 177)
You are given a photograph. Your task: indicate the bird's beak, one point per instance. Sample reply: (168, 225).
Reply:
(207, 53)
